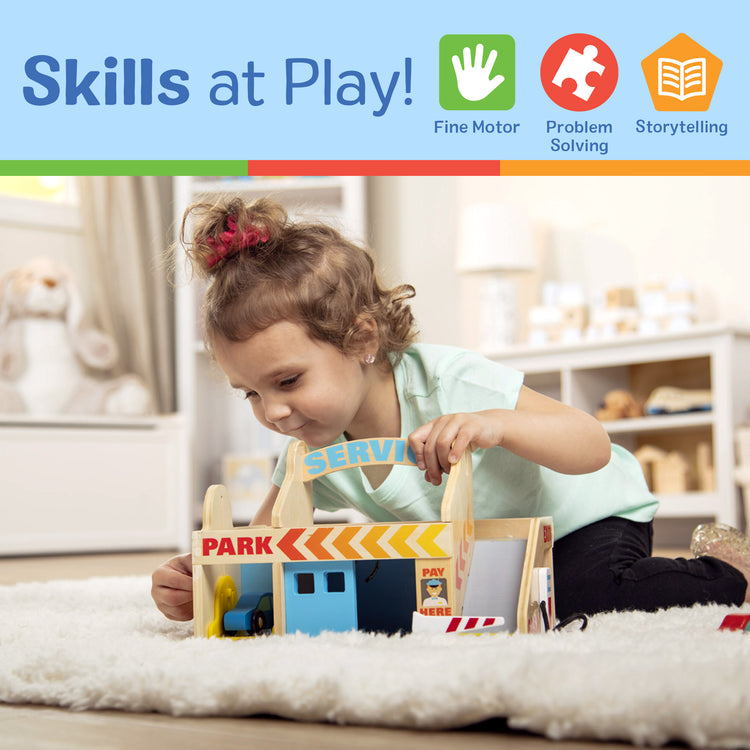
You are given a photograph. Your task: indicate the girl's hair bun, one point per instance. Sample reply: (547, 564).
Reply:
(226, 227)
(266, 268)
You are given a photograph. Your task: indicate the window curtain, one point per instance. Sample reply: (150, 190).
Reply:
(126, 224)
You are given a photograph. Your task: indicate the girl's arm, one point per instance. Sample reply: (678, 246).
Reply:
(263, 516)
(539, 429)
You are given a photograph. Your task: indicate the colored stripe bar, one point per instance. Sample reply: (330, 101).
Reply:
(373, 167)
(195, 168)
(624, 167)
(376, 167)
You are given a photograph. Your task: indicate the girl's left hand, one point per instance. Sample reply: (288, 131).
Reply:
(439, 444)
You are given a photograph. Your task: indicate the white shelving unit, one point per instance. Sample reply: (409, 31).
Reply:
(219, 422)
(712, 357)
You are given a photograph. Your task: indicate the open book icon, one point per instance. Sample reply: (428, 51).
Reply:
(682, 80)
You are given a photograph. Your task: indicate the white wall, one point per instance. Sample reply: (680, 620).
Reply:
(20, 242)
(413, 224)
(605, 231)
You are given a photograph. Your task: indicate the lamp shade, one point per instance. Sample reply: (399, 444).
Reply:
(495, 237)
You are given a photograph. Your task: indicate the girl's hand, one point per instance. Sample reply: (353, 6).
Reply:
(439, 444)
(172, 587)
(539, 429)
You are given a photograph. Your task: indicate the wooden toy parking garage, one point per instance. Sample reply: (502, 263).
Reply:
(385, 577)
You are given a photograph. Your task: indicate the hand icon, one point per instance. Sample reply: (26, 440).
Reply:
(474, 82)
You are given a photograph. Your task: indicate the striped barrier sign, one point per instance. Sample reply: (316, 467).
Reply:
(459, 625)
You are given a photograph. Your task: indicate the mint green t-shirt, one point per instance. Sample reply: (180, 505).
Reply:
(435, 380)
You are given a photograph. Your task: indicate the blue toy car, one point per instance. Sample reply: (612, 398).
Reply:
(253, 614)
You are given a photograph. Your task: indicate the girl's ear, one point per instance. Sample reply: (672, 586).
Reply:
(365, 336)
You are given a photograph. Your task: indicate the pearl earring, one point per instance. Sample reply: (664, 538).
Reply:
(369, 359)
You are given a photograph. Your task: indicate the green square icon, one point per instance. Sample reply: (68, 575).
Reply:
(477, 71)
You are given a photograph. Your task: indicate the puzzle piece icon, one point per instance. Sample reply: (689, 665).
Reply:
(576, 66)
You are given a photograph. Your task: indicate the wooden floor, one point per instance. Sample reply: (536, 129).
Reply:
(40, 727)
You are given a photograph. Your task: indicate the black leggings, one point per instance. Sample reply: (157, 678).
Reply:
(608, 566)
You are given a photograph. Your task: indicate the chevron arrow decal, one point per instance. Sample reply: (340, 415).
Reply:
(370, 542)
(426, 541)
(342, 542)
(286, 544)
(315, 544)
(398, 540)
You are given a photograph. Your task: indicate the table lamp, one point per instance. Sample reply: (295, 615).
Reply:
(496, 243)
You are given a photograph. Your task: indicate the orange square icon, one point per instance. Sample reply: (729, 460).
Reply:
(681, 75)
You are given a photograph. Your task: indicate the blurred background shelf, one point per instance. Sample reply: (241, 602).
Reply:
(710, 357)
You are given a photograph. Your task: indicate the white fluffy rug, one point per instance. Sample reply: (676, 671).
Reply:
(643, 678)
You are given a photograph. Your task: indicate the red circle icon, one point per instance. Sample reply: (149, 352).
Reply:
(579, 72)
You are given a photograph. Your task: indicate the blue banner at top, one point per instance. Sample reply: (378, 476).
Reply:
(489, 80)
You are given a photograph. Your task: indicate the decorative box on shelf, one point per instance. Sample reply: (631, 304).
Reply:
(713, 358)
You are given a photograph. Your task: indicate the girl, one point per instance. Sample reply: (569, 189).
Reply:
(297, 319)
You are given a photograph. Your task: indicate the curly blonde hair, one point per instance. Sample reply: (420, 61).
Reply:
(265, 268)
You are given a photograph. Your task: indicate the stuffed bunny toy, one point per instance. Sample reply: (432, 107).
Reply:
(48, 350)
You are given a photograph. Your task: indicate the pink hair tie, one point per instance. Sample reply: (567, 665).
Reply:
(230, 241)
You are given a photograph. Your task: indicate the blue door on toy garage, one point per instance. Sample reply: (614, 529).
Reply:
(320, 596)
